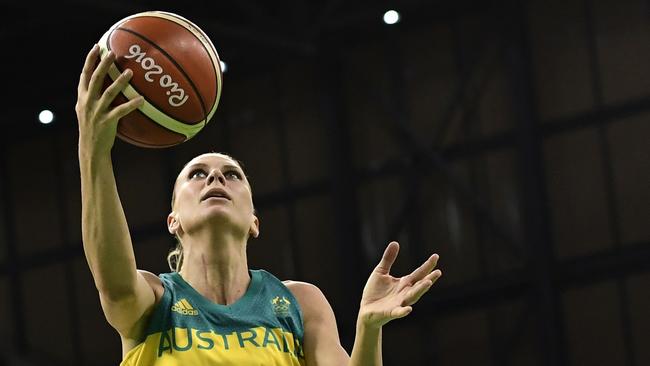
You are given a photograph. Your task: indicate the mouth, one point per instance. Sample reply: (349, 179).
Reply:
(216, 194)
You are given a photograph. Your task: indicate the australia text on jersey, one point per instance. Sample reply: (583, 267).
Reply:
(185, 339)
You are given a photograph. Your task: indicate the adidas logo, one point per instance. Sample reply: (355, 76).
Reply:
(184, 307)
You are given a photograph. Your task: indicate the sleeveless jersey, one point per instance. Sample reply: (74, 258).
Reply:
(264, 327)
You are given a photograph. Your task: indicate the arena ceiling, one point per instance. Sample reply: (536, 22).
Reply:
(45, 44)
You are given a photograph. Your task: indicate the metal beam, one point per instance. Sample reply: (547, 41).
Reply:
(296, 270)
(344, 185)
(633, 259)
(437, 162)
(474, 77)
(610, 189)
(409, 215)
(536, 216)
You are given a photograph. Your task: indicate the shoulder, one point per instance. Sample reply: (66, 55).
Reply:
(154, 281)
(302, 289)
(150, 277)
(311, 299)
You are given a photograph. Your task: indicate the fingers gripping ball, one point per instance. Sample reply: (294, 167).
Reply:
(175, 68)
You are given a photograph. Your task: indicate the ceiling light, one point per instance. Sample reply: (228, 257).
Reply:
(391, 17)
(46, 116)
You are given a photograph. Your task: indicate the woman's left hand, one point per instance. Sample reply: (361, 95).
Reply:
(386, 297)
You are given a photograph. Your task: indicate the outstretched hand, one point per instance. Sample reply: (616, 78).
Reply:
(386, 297)
(97, 119)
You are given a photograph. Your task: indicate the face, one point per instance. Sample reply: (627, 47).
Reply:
(212, 190)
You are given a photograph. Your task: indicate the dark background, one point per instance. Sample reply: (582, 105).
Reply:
(509, 137)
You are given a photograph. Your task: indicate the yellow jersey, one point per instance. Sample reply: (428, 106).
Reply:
(264, 327)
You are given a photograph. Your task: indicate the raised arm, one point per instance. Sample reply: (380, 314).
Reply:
(384, 298)
(124, 292)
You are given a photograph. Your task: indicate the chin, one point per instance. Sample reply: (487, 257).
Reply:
(220, 213)
(220, 216)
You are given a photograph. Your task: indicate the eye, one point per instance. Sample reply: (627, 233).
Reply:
(232, 174)
(197, 173)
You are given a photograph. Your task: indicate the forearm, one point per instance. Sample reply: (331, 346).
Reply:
(106, 239)
(367, 346)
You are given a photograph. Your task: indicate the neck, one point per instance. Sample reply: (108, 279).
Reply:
(217, 269)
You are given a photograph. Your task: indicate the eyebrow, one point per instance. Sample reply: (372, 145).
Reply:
(204, 165)
(232, 166)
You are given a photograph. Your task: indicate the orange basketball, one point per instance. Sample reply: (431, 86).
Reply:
(176, 69)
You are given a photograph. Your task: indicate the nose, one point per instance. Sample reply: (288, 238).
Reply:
(215, 174)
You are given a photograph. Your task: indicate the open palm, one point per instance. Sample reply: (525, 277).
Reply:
(386, 297)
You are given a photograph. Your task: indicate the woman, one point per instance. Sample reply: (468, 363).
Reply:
(211, 309)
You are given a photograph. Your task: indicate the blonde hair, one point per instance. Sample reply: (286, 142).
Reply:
(175, 255)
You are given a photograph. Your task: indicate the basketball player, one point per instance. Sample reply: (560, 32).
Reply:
(211, 309)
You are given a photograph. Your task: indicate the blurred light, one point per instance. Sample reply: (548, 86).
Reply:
(224, 67)
(391, 17)
(46, 116)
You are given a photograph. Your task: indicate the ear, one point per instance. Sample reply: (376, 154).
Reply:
(172, 223)
(254, 230)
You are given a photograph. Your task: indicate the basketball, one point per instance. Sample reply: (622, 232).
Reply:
(176, 69)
